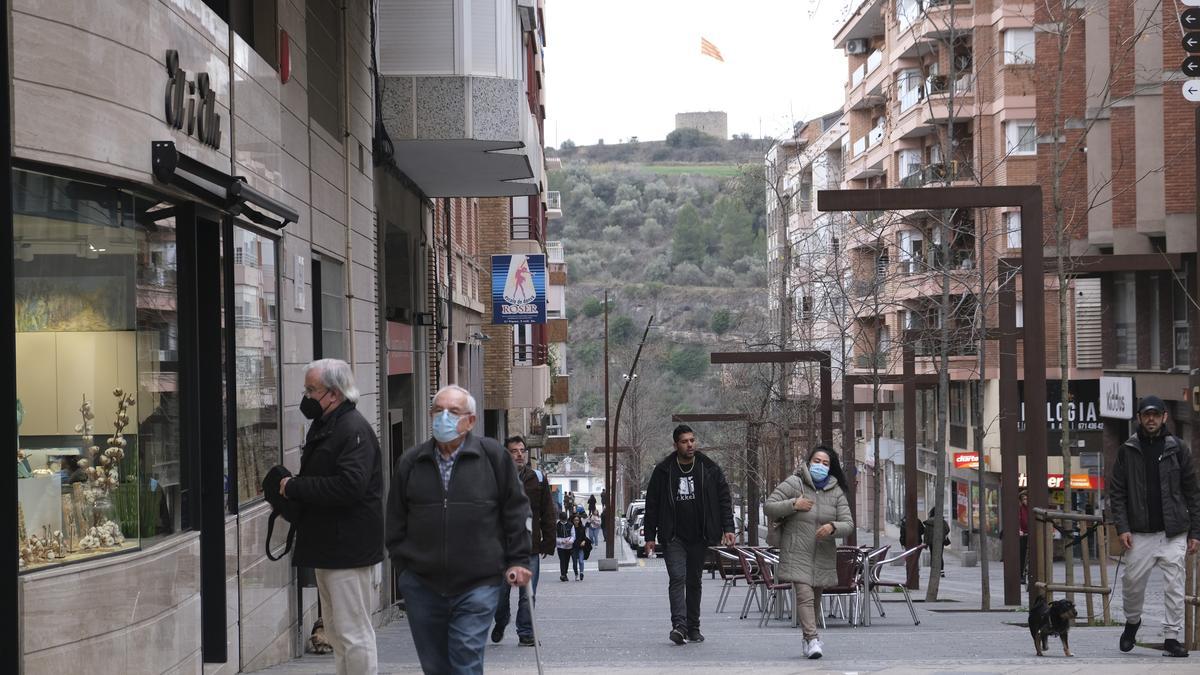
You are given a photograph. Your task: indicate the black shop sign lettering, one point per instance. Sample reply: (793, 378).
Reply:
(191, 105)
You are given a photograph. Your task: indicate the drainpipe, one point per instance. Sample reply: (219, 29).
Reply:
(347, 141)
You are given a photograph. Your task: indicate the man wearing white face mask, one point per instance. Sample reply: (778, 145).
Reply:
(457, 531)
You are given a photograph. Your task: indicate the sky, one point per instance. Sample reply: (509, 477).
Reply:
(621, 68)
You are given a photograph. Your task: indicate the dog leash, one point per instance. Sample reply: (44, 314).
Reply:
(1116, 573)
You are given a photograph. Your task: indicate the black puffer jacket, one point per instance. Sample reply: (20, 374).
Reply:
(716, 507)
(340, 489)
(1180, 493)
(468, 535)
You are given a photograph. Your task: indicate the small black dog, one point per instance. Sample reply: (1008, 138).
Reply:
(1054, 618)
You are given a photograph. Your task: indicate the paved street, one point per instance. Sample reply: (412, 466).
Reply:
(618, 621)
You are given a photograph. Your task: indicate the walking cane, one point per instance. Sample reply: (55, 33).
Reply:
(527, 589)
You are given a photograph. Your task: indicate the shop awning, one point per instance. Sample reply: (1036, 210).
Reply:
(230, 193)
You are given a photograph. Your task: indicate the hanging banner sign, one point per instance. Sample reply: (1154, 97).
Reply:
(518, 289)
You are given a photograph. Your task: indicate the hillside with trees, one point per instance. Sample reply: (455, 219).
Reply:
(671, 235)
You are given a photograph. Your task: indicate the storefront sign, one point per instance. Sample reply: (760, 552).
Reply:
(1079, 481)
(191, 106)
(1116, 397)
(518, 289)
(966, 460)
(1081, 412)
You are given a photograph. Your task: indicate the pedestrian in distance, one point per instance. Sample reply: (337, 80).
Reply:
(930, 525)
(591, 503)
(1155, 503)
(579, 546)
(1023, 532)
(812, 512)
(593, 523)
(569, 503)
(904, 532)
(564, 541)
(688, 509)
(340, 493)
(542, 511)
(457, 530)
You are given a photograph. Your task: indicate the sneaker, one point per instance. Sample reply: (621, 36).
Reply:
(525, 641)
(694, 635)
(804, 647)
(1173, 648)
(676, 636)
(1128, 636)
(498, 633)
(562, 578)
(581, 576)
(815, 648)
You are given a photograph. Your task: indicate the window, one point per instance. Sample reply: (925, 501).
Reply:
(1020, 137)
(329, 314)
(1018, 45)
(1012, 229)
(325, 66)
(1125, 318)
(958, 404)
(574, 485)
(255, 21)
(1180, 304)
(96, 306)
(256, 361)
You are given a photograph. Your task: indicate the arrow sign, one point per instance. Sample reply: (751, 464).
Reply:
(1191, 66)
(1190, 18)
(1191, 43)
(1191, 90)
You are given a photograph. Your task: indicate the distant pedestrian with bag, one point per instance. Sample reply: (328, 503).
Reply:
(593, 523)
(564, 541)
(457, 530)
(337, 505)
(812, 512)
(688, 509)
(930, 526)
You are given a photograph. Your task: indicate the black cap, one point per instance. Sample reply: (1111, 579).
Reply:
(1151, 403)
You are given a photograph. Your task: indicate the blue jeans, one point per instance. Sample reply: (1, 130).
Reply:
(504, 606)
(577, 562)
(593, 534)
(450, 632)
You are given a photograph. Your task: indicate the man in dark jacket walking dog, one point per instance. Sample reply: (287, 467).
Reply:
(457, 531)
(541, 507)
(688, 509)
(340, 528)
(1155, 501)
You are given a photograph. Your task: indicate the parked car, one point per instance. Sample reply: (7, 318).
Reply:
(637, 537)
(632, 512)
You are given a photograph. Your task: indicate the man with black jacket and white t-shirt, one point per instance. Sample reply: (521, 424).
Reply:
(1155, 501)
(340, 528)
(688, 509)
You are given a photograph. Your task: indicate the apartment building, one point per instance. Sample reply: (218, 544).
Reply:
(962, 93)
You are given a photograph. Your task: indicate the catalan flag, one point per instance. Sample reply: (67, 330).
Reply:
(709, 49)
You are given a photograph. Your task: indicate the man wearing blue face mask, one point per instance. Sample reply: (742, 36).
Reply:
(457, 532)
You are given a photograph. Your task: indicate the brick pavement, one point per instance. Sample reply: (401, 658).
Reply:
(618, 622)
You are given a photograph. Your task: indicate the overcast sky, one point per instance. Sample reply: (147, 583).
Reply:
(621, 68)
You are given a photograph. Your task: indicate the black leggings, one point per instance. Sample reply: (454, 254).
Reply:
(564, 559)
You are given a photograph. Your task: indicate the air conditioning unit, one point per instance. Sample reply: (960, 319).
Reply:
(858, 46)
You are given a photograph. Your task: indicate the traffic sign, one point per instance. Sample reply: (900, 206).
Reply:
(1191, 43)
(1191, 90)
(1190, 18)
(1191, 66)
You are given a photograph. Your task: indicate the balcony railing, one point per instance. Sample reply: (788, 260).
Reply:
(940, 84)
(875, 136)
(911, 97)
(529, 355)
(860, 146)
(875, 360)
(554, 252)
(524, 228)
(874, 61)
(554, 200)
(859, 74)
(939, 173)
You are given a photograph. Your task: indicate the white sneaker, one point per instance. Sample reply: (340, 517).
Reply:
(814, 648)
(804, 646)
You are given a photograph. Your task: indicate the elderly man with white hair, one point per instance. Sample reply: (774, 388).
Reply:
(458, 531)
(340, 529)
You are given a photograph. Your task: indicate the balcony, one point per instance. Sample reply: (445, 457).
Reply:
(560, 390)
(872, 361)
(939, 173)
(524, 228)
(866, 22)
(463, 112)
(944, 18)
(553, 205)
(555, 254)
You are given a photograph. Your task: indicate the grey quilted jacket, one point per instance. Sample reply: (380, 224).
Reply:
(802, 558)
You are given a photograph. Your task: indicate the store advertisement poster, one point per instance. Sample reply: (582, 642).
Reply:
(518, 289)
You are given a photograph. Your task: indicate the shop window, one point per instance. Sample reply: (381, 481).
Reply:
(325, 66)
(256, 360)
(99, 461)
(329, 313)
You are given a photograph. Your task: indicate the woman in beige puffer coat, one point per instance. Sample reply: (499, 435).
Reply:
(811, 511)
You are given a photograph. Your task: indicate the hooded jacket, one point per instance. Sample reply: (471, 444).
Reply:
(802, 557)
(716, 507)
(1177, 477)
(467, 535)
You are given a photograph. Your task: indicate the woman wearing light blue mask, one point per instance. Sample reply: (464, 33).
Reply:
(812, 511)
